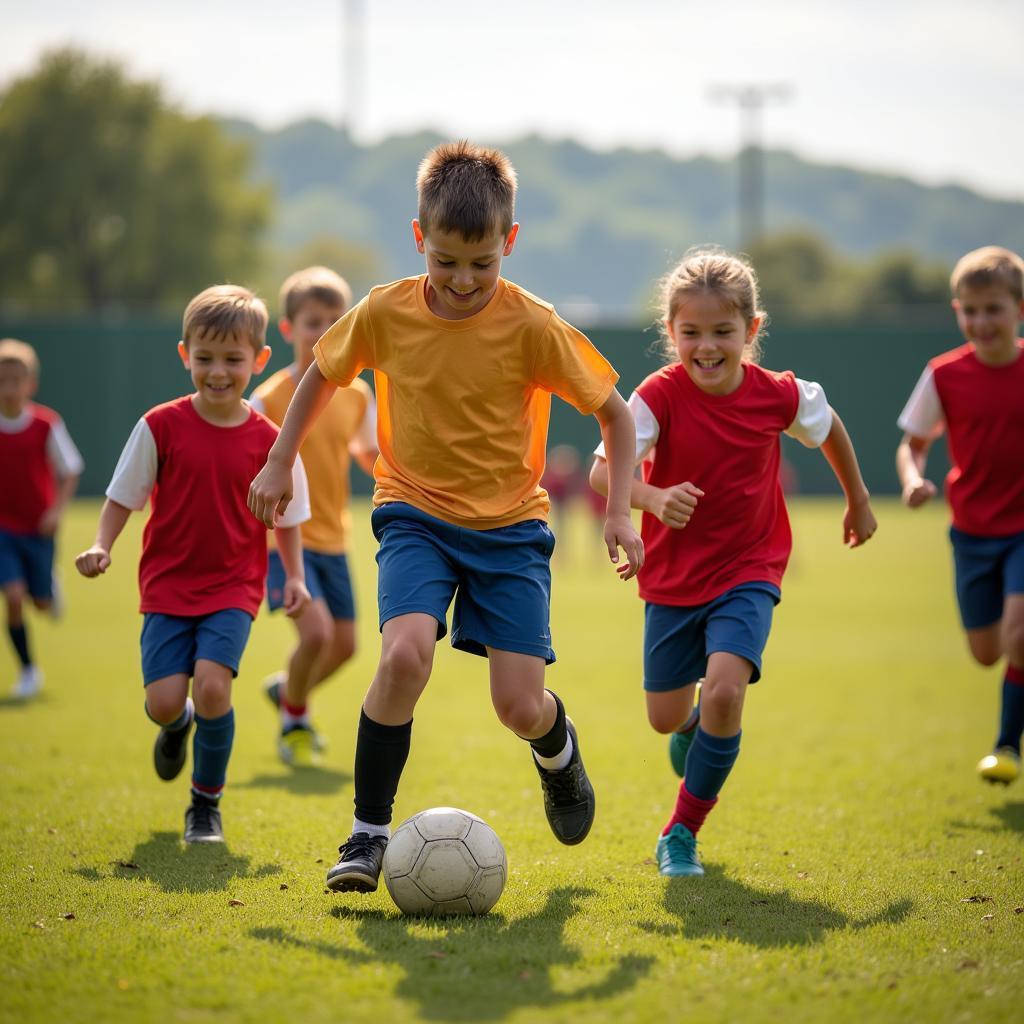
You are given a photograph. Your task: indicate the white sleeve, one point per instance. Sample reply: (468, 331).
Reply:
(813, 419)
(922, 416)
(365, 439)
(647, 429)
(298, 508)
(135, 473)
(64, 457)
(255, 402)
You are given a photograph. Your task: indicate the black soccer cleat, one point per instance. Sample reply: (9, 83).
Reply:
(170, 750)
(358, 867)
(202, 822)
(568, 796)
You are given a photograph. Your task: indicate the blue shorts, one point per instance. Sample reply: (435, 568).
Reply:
(27, 558)
(500, 579)
(679, 640)
(172, 644)
(987, 569)
(327, 578)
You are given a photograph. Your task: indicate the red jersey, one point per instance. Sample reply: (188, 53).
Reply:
(728, 445)
(983, 407)
(32, 456)
(202, 550)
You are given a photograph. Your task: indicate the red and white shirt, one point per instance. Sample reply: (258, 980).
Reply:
(202, 550)
(982, 409)
(728, 445)
(36, 451)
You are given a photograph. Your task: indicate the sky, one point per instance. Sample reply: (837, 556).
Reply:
(930, 90)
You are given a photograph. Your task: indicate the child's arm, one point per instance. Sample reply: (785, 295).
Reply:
(271, 491)
(50, 519)
(859, 521)
(96, 559)
(289, 547)
(366, 460)
(672, 505)
(911, 460)
(620, 445)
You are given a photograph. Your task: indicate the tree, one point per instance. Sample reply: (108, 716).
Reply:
(108, 195)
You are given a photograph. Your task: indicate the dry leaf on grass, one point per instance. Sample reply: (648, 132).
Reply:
(236, 903)
(68, 917)
(284, 885)
(977, 899)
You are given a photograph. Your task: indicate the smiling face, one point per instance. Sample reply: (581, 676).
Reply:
(989, 317)
(711, 338)
(221, 366)
(461, 275)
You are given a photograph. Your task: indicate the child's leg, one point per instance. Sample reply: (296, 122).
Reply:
(14, 600)
(314, 632)
(669, 711)
(215, 728)
(168, 706)
(340, 648)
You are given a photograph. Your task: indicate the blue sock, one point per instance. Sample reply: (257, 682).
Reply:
(708, 763)
(20, 640)
(211, 752)
(1011, 720)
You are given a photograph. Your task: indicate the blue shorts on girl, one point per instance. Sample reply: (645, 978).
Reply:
(172, 644)
(327, 579)
(678, 640)
(500, 579)
(27, 558)
(987, 570)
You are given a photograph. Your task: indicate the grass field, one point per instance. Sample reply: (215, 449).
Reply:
(856, 869)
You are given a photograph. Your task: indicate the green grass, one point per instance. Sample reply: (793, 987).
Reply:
(841, 860)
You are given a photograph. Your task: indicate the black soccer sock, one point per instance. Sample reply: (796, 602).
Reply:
(19, 638)
(381, 753)
(552, 743)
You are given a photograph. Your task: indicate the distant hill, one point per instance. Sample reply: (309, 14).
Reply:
(599, 227)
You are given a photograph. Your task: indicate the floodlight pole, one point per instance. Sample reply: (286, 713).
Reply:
(751, 99)
(353, 63)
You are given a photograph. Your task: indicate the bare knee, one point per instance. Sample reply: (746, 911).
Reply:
(14, 599)
(1013, 640)
(315, 630)
(523, 713)
(211, 690)
(985, 650)
(164, 706)
(404, 664)
(723, 699)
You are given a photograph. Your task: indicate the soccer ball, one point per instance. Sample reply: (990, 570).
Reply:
(445, 861)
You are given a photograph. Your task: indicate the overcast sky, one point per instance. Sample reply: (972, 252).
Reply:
(932, 89)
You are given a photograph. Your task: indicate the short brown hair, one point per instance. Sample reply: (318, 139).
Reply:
(467, 189)
(226, 309)
(14, 351)
(318, 284)
(989, 267)
(715, 272)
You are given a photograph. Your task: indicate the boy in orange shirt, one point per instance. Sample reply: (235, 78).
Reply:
(465, 363)
(311, 300)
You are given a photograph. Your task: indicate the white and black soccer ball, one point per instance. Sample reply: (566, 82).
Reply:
(445, 861)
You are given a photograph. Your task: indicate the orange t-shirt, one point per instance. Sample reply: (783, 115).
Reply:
(463, 405)
(325, 455)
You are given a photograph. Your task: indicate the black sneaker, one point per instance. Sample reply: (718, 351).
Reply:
(358, 867)
(568, 796)
(169, 751)
(202, 822)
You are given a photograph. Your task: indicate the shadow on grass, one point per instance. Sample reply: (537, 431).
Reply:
(300, 781)
(465, 968)
(10, 703)
(716, 907)
(1011, 815)
(181, 867)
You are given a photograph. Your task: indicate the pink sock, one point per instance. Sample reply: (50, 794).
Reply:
(690, 811)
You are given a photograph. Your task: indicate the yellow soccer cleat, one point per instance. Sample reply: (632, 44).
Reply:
(297, 748)
(1002, 765)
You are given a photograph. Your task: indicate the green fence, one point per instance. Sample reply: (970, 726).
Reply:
(101, 374)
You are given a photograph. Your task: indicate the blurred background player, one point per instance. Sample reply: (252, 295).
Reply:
(39, 467)
(465, 364)
(311, 301)
(564, 482)
(204, 558)
(715, 529)
(975, 393)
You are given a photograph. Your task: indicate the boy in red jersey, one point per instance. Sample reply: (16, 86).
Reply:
(715, 529)
(40, 466)
(203, 556)
(311, 300)
(976, 394)
(465, 364)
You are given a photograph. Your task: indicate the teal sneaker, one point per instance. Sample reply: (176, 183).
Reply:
(679, 742)
(676, 853)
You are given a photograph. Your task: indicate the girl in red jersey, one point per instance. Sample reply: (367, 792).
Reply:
(708, 427)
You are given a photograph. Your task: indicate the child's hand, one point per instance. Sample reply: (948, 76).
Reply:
(619, 532)
(93, 562)
(270, 492)
(674, 505)
(296, 597)
(859, 524)
(917, 492)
